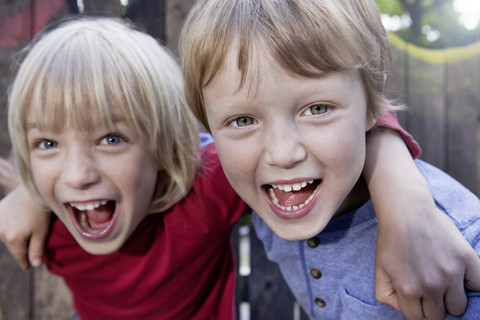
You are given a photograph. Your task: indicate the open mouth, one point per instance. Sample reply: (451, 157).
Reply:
(292, 197)
(95, 219)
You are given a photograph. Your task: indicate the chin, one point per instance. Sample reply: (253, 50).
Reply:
(296, 233)
(98, 248)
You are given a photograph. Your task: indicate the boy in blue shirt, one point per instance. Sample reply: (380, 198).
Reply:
(289, 91)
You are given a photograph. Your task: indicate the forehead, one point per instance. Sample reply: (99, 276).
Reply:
(57, 118)
(264, 73)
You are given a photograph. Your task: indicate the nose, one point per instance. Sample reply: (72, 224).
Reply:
(79, 170)
(283, 148)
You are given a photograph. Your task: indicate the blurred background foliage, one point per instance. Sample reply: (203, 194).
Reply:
(433, 23)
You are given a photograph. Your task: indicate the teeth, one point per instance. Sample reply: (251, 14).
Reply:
(275, 200)
(83, 219)
(294, 187)
(89, 206)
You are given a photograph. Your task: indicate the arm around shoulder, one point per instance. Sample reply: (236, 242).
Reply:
(422, 259)
(24, 227)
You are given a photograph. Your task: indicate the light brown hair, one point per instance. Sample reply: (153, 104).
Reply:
(305, 38)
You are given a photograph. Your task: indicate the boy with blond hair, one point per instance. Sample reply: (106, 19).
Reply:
(102, 136)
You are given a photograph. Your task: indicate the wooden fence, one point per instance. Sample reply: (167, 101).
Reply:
(441, 87)
(442, 90)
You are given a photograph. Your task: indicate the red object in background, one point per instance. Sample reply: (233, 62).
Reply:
(24, 24)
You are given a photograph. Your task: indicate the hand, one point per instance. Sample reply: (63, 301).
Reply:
(24, 227)
(9, 178)
(422, 259)
(420, 267)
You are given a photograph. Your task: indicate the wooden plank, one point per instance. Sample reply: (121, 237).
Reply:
(148, 15)
(14, 283)
(102, 8)
(19, 20)
(397, 83)
(427, 109)
(464, 122)
(176, 11)
(269, 295)
(51, 298)
(15, 286)
(10, 43)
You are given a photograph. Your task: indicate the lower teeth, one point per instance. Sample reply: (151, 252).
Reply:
(83, 219)
(291, 208)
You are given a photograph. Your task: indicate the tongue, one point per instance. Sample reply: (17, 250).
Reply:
(294, 198)
(99, 216)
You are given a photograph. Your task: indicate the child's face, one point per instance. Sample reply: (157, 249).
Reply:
(279, 133)
(99, 182)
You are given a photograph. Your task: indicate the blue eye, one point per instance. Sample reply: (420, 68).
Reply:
(111, 139)
(317, 109)
(243, 121)
(47, 144)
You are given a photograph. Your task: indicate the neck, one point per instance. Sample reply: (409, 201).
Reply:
(357, 197)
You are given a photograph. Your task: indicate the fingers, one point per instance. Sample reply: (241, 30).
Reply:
(18, 249)
(456, 299)
(428, 302)
(433, 307)
(36, 249)
(418, 302)
(410, 305)
(384, 290)
(472, 272)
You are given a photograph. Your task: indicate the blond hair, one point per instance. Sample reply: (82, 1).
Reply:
(306, 38)
(80, 70)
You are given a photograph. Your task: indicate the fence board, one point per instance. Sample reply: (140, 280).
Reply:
(397, 84)
(14, 289)
(8, 46)
(149, 15)
(427, 113)
(270, 296)
(15, 285)
(50, 297)
(176, 11)
(441, 87)
(104, 7)
(463, 124)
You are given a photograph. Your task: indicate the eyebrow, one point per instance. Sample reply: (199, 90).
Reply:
(30, 126)
(115, 118)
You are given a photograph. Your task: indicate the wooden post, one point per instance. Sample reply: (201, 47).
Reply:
(463, 119)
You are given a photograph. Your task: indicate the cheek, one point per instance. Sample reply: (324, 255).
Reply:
(239, 161)
(141, 177)
(344, 148)
(42, 176)
(237, 157)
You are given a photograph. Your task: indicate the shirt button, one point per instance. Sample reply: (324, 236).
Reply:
(313, 242)
(320, 303)
(315, 273)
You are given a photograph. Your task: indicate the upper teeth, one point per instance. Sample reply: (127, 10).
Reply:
(88, 206)
(289, 187)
